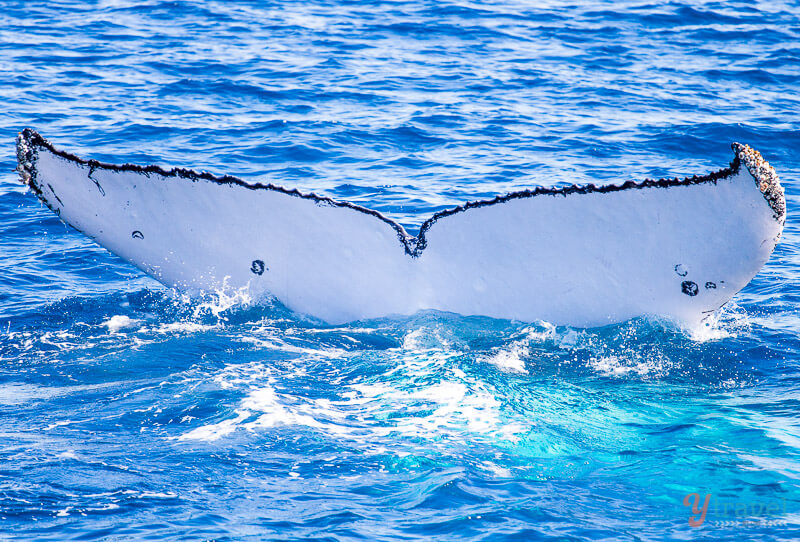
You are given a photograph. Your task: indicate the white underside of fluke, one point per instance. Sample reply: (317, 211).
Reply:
(581, 256)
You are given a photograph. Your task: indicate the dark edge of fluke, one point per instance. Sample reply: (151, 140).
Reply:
(765, 176)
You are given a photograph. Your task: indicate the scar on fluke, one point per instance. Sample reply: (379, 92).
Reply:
(52, 191)
(257, 267)
(92, 169)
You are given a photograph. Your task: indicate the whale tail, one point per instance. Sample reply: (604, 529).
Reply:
(581, 255)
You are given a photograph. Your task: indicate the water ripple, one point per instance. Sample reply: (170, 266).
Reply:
(131, 413)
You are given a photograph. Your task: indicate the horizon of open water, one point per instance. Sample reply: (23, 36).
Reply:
(129, 413)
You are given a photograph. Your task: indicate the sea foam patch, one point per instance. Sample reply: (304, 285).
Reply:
(580, 255)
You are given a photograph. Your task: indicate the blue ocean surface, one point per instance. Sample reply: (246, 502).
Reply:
(128, 412)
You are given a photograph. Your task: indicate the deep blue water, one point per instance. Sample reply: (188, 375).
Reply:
(128, 413)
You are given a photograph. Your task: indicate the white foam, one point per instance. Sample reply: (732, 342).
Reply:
(216, 431)
(424, 338)
(223, 299)
(117, 322)
(158, 495)
(185, 327)
(511, 358)
(613, 365)
(429, 399)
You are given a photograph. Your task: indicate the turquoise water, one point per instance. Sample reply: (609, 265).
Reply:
(129, 413)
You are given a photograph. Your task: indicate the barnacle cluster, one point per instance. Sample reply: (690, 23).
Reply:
(765, 176)
(24, 160)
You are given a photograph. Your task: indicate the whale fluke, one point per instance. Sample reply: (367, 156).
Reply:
(581, 255)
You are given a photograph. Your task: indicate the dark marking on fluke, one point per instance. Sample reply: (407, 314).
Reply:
(257, 267)
(136, 234)
(52, 191)
(689, 288)
(92, 169)
(30, 141)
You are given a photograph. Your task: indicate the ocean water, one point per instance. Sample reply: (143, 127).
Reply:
(130, 413)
